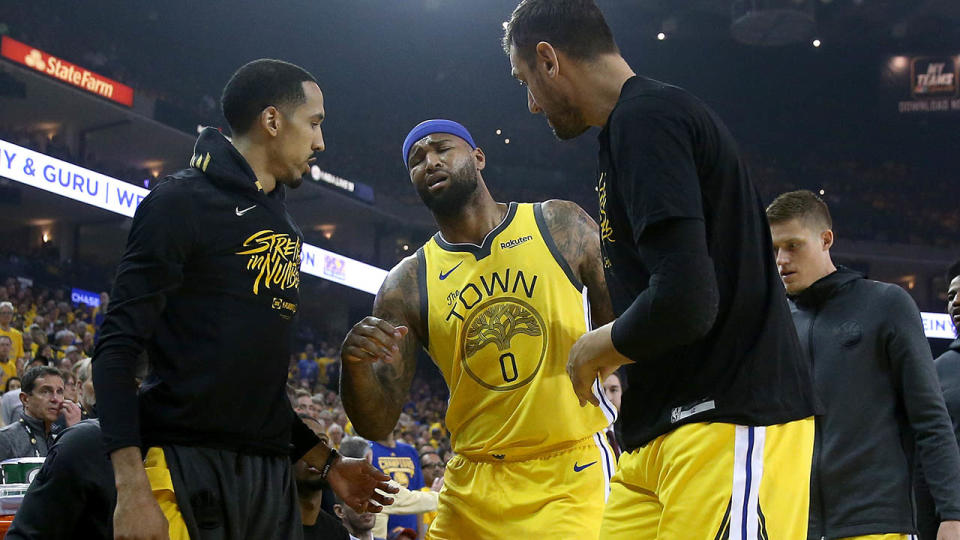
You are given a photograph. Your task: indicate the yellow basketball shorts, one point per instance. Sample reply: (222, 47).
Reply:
(559, 496)
(714, 481)
(158, 474)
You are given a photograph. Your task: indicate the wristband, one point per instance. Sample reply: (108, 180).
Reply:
(329, 463)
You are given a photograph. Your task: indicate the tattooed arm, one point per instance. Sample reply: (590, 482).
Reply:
(578, 238)
(379, 355)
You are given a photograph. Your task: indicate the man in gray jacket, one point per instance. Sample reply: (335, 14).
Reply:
(874, 373)
(30, 434)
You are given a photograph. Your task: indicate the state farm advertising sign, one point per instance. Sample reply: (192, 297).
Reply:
(72, 74)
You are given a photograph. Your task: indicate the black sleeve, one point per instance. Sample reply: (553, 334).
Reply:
(911, 360)
(66, 485)
(302, 437)
(159, 243)
(679, 306)
(652, 145)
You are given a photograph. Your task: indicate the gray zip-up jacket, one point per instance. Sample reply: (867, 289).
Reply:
(24, 437)
(874, 373)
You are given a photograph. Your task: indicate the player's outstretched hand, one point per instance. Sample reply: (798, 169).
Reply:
(355, 481)
(373, 339)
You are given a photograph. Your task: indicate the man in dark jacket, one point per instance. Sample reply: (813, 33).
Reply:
(208, 288)
(31, 434)
(73, 494)
(948, 370)
(875, 376)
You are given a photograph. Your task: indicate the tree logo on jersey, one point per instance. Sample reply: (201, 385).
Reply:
(275, 257)
(499, 324)
(504, 343)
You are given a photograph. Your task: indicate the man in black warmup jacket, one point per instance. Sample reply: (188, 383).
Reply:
(208, 288)
(874, 373)
(948, 370)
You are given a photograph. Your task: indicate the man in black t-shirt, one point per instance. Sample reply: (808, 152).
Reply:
(717, 417)
(317, 523)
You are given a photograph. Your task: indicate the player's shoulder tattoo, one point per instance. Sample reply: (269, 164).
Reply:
(574, 232)
(398, 300)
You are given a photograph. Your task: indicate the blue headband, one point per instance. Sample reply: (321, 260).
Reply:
(434, 126)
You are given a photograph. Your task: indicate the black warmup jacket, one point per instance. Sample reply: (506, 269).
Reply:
(208, 288)
(948, 370)
(875, 375)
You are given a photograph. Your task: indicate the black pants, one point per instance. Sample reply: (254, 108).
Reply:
(225, 495)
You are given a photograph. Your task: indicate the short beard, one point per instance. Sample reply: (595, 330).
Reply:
(292, 182)
(568, 123)
(450, 201)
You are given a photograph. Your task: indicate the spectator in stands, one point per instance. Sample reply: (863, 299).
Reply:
(6, 317)
(11, 406)
(335, 433)
(360, 526)
(30, 435)
(308, 370)
(64, 338)
(88, 344)
(46, 356)
(317, 524)
(37, 334)
(70, 386)
(13, 383)
(304, 404)
(613, 389)
(433, 467)
(8, 363)
(28, 347)
(400, 461)
(101, 310)
(402, 533)
(73, 495)
(71, 356)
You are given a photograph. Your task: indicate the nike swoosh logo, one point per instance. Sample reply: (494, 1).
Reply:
(245, 210)
(444, 276)
(578, 468)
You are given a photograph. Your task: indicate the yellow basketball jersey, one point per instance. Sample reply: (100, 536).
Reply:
(501, 319)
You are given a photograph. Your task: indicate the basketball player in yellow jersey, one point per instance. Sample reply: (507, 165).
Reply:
(497, 297)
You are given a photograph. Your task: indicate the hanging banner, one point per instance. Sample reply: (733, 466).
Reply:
(927, 83)
(64, 71)
(74, 182)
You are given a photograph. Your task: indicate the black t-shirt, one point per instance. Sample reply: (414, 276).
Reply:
(327, 527)
(665, 155)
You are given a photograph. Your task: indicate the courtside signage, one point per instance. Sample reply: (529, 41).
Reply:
(938, 325)
(74, 182)
(68, 180)
(80, 296)
(342, 270)
(71, 74)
